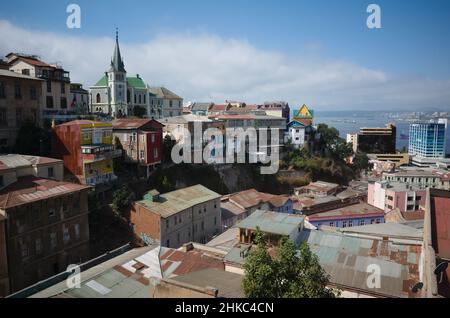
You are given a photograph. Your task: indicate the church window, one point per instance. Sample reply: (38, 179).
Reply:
(99, 99)
(140, 99)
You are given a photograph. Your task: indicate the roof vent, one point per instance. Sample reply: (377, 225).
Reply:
(152, 195)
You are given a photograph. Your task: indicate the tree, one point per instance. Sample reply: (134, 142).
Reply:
(331, 145)
(168, 144)
(122, 200)
(361, 162)
(292, 274)
(260, 271)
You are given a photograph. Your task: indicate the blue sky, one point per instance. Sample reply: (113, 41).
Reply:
(413, 43)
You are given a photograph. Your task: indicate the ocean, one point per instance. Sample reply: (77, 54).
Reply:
(351, 122)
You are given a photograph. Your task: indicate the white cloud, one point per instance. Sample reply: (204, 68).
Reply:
(205, 67)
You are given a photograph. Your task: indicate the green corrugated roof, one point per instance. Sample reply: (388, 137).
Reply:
(136, 82)
(102, 82)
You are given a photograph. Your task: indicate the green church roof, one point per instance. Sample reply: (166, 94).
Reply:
(136, 82)
(102, 82)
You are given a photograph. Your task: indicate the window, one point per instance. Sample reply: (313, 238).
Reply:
(66, 234)
(202, 225)
(167, 243)
(24, 248)
(344, 224)
(332, 224)
(215, 220)
(377, 221)
(350, 223)
(142, 154)
(50, 172)
(49, 102)
(33, 93)
(3, 117)
(167, 224)
(153, 138)
(2, 182)
(155, 153)
(77, 231)
(98, 98)
(179, 103)
(2, 90)
(362, 222)
(26, 71)
(63, 88)
(17, 91)
(63, 102)
(49, 86)
(19, 116)
(170, 104)
(140, 99)
(53, 240)
(38, 246)
(178, 238)
(51, 212)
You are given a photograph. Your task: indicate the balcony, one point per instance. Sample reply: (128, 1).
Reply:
(94, 153)
(61, 76)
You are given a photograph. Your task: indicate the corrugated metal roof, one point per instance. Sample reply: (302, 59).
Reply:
(272, 222)
(347, 261)
(176, 201)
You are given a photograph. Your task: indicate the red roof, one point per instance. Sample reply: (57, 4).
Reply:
(250, 198)
(414, 215)
(31, 61)
(134, 123)
(218, 108)
(29, 189)
(190, 261)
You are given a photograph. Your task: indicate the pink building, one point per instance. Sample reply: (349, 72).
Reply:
(395, 195)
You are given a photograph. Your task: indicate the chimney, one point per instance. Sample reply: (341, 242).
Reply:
(188, 247)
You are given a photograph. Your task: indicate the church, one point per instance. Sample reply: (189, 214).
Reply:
(118, 95)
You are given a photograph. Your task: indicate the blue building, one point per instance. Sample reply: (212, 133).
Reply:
(353, 215)
(427, 140)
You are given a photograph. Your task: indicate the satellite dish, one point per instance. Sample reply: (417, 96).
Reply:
(440, 268)
(418, 286)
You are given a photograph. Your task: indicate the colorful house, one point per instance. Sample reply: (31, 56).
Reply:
(87, 149)
(300, 128)
(141, 141)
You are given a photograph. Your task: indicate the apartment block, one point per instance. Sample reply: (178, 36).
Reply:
(187, 215)
(427, 143)
(374, 140)
(46, 228)
(20, 101)
(55, 86)
(141, 141)
(387, 195)
(87, 149)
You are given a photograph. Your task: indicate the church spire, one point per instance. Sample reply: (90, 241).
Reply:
(117, 62)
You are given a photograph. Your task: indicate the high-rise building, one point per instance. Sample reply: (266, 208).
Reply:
(427, 142)
(374, 140)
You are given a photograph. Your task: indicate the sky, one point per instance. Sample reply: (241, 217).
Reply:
(316, 52)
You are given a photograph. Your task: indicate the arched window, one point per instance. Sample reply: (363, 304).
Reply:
(99, 99)
(128, 96)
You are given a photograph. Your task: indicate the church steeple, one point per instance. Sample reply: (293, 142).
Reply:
(117, 62)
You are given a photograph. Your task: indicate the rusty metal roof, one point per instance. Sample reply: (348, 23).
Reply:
(29, 189)
(176, 201)
(347, 260)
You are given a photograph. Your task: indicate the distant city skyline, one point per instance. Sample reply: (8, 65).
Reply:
(317, 53)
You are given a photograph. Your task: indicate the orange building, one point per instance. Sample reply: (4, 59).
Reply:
(87, 149)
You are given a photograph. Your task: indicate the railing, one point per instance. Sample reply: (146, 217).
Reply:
(58, 278)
